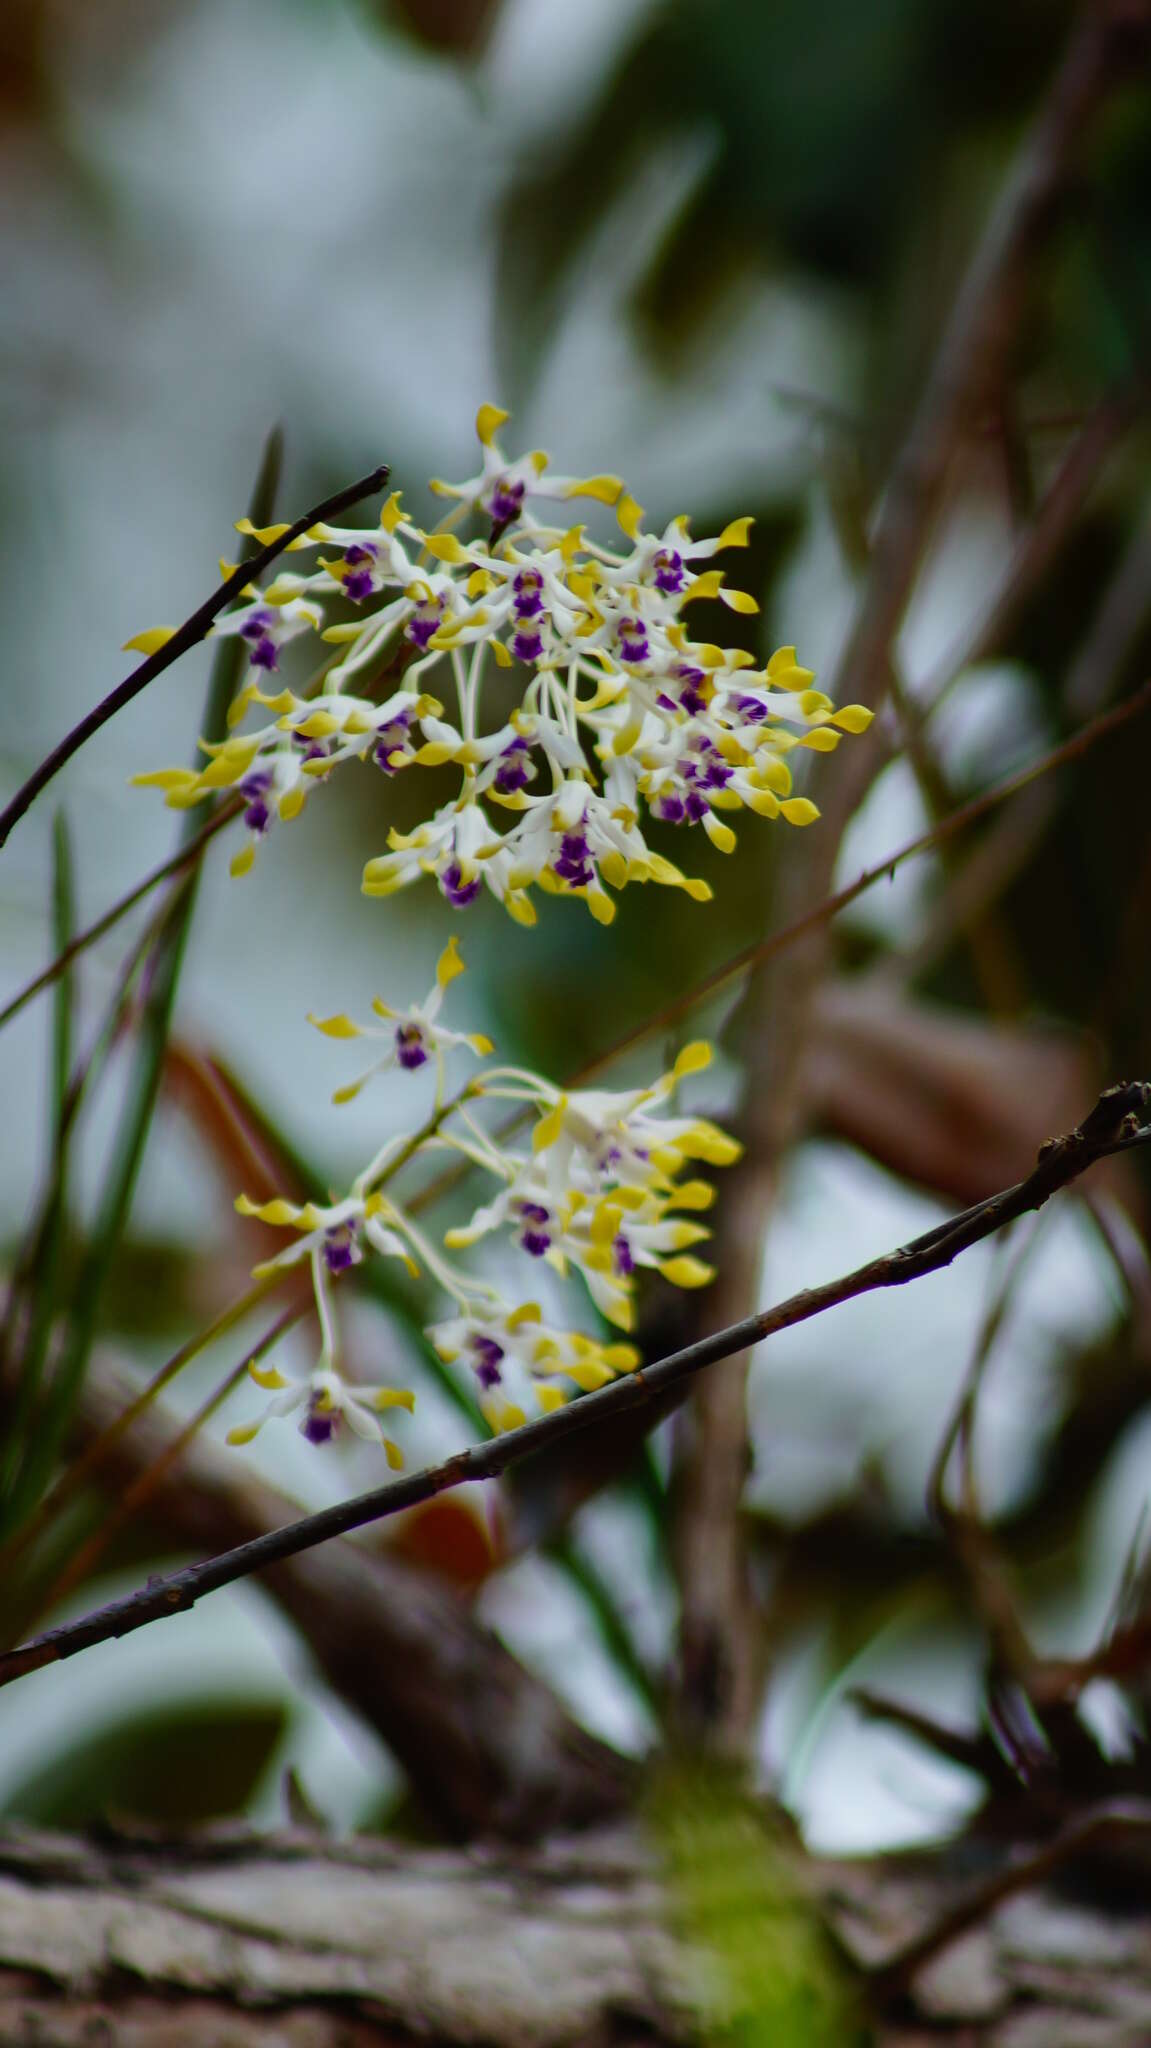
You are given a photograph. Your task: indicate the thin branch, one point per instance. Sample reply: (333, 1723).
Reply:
(83, 1561)
(193, 630)
(1113, 1125)
(889, 1979)
(1037, 546)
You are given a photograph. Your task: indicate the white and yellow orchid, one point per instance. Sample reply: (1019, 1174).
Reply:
(413, 1037)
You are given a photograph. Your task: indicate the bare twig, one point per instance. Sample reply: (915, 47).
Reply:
(1114, 1125)
(193, 630)
(976, 1904)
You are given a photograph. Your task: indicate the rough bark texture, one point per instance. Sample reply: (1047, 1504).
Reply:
(296, 1941)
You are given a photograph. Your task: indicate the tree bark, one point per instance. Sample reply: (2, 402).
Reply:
(299, 1941)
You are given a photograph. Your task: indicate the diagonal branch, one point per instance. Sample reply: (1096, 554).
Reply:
(1115, 1124)
(193, 630)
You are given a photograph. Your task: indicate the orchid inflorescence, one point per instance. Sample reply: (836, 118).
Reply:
(598, 1190)
(621, 714)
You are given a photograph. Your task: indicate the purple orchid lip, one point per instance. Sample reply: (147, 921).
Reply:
(574, 863)
(489, 1356)
(341, 1248)
(691, 695)
(632, 641)
(319, 1425)
(411, 1049)
(752, 708)
(458, 892)
(536, 1234)
(515, 768)
(527, 601)
(704, 766)
(505, 500)
(670, 807)
(528, 643)
(361, 559)
(257, 787)
(425, 621)
(622, 1255)
(669, 572)
(257, 631)
(391, 739)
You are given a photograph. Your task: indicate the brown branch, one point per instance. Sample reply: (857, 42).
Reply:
(485, 1745)
(1114, 1125)
(1113, 1817)
(186, 636)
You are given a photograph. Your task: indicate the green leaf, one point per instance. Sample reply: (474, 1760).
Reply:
(38, 1272)
(160, 970)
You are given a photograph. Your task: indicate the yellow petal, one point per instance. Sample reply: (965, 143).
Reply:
(548, 1128)
(449, 964)
(268, 1376)
(444, 547)
(853, 717)
(264, 534)
(798, 811)
(630, 515)
(527, 1312)
(687, 1271)
(166, 778)
(722, 837)
(150, 641)
(605, 488)
(336, 1027)
(735, 534)
(489, 420)
(692, 1059)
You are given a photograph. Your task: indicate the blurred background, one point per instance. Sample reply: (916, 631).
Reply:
(713, 247)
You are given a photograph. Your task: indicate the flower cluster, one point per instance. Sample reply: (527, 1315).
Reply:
(620, 717)
(600, 1189)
